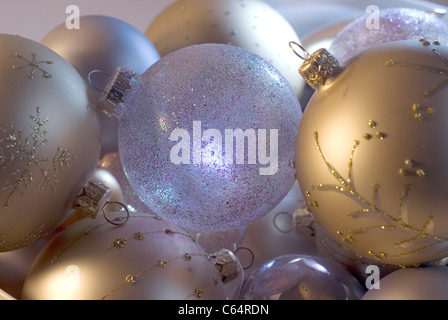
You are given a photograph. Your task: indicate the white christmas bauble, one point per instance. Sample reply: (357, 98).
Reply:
(250, 24)
(146, 258)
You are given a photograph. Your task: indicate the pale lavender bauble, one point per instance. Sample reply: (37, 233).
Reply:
(183, 95)
(393, 24)
(300, 277)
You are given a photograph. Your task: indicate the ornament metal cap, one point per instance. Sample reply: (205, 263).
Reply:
(317, 67)
(227, 264)
(93, 198)
(113, 95)
(303, 222)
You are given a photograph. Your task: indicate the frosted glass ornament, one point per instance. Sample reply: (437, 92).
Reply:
(207, 135)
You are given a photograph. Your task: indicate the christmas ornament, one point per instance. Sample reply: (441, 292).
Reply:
(423, 283)
(108, 179)
(301, 277)
(112, 163)
(215, 241)
(194, 132)
(330, 249)
(392, 24)
(275, 235)
(6, 296)
(102, 181)
(231, 271)
(49, 140)
(102, 43)
(147, 258)
(14, 266)
(250, 24)
(370, 151)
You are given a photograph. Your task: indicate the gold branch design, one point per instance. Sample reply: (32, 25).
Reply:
(440, 71)
(346, 187)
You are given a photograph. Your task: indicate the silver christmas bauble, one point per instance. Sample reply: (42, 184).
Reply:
(102, 44)
(49, 140)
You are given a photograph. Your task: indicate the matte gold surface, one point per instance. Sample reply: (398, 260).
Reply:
(373, 173)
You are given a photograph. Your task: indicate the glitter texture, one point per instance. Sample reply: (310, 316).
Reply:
(394, 24)
(222, 87)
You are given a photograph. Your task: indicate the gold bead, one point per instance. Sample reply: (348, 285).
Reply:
(408, 163)
(430, 110)
(169, 232)
(418, 117)
(131, 279)
(139, 236)
(162, 263)
(380, 135)
(420, 172)
(198, 292)
(187, 257)
(120, 243)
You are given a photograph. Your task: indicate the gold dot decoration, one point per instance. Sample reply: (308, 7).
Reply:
(420, 111)
(198, 292)
(425, 42)
(379, 135)
(409, 164)
(164, 263)
(131, 279)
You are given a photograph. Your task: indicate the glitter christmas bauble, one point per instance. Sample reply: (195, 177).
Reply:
(249, 24)
(147, 258)
(102, 44)
(207, 136)
(372, 153)
(386, 25)
(49, 140)
(300, 277)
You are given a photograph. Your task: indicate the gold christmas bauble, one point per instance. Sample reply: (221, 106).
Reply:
(146, 258)
(49, 140)
(372, 151)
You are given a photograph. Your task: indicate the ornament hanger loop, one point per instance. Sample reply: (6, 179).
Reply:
(252, 257)
(291, 43)
(90, 79)
(121, 220)
(274, 220)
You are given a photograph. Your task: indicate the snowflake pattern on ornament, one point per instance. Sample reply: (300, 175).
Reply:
(21, 156)
(34, 64)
